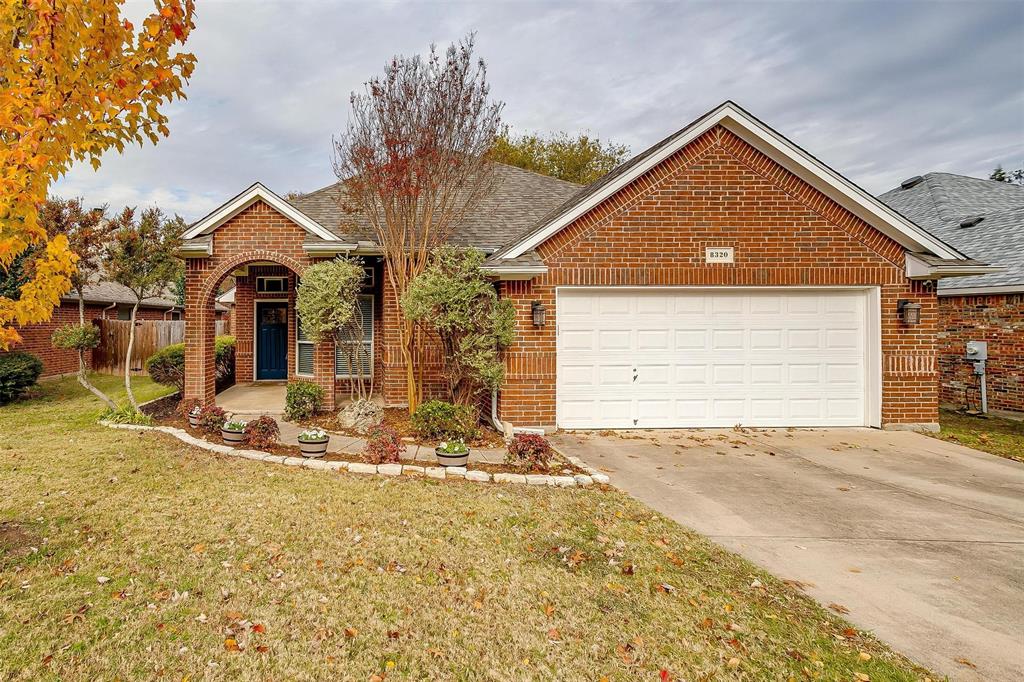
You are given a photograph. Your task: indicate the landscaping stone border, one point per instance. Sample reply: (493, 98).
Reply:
(578, 480)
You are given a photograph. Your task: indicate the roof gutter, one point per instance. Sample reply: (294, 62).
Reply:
(195, 250)
(328, 248)
(509, 272)
(919, 269)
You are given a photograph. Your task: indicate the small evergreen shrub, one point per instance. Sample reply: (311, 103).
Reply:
(76, 337)
(530, 452)
(18, 371)
(167, 365)
(262, 432)
(438, 420)
(127, 414)
(383, 447)
(303, 400)
(211, 418)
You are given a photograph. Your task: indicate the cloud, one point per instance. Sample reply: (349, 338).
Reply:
(879, 92)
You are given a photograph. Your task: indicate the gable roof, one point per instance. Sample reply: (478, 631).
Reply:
(768, 141)
(940, 202)
(106, 293)
(519, 200)
(255, 192)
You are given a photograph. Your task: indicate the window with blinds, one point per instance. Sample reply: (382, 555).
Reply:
(355, 358)
(303, 350)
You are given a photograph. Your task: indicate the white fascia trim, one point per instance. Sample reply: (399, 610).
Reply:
(196, 250)
(788, 155)
(983, 291)
(254, 193)
(918, 269)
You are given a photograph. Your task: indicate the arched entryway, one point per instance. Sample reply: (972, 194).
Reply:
(267, 348)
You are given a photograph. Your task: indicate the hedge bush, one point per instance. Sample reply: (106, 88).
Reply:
(18, 371)
(167, 365)
(436, 419)
(76, 337)
(302, 400)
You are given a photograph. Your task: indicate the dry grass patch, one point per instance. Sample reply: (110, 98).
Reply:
(988, 433)
(158, 560)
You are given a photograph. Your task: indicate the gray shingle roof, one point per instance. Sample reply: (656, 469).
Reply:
(112, 292)
(943, 200)
(520, 199)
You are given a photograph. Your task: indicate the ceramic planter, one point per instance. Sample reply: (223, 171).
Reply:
(193, 421)
(232, 437)
(451, 460)
(314, 448)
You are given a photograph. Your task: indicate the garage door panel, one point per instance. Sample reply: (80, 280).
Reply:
(713, 358)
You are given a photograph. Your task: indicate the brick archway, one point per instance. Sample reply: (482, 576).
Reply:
(203, 277)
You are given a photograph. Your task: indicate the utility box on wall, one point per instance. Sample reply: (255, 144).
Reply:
(977, 350)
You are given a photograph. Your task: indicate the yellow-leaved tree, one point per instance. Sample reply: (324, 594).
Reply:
(76, 79)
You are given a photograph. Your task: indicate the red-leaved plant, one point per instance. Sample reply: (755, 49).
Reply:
(530, 452)
(383, 447)
(211, 418)
(262, 432)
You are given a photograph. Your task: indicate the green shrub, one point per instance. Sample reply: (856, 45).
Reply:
(383, 447)
(436, 419)
(167, 365)
(127, 414)
(303, 400)
(76, 337)
(18, 371)
(262, 432)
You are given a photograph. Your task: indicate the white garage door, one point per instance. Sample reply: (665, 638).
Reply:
(658, 358)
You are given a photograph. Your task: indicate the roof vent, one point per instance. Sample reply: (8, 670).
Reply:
(971, 221)
(910, 182)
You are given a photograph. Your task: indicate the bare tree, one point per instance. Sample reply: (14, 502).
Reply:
(414, 162)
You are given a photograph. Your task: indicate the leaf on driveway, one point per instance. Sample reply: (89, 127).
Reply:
(838, 608)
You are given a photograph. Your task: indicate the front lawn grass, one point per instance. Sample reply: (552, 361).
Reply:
(127, 555)
(995, 435)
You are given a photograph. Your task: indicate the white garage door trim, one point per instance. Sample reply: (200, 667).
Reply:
(872, 346)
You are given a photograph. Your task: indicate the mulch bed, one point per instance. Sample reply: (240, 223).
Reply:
(397, 418)
(165, 413)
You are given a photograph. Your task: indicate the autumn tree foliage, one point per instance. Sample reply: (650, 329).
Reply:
(87, 231)
(413, 161)
(140, 255)
(75, 81)
(581, 158)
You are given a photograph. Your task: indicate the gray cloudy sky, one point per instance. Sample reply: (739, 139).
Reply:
(879, 91)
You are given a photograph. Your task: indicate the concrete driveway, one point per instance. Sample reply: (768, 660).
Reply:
(922, 540)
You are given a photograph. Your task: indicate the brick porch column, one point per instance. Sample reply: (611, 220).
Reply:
(243, 327)
(200, 331)
(324, 373)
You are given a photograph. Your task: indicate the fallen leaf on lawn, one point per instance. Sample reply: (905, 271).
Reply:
(666, 588)
(549, 610)
(436, 653)
(707, 624)
(964, 661)
(733, 662)
(102, 579)
(262, 648)
(230, 644)
(233, 615)
(554, 635)
(351, 632)
(864, 656)
(616, 587)
(838, 608)
(849, 632)
(628, 569)
(728, 608)
(625, 653)
(861, 677)
(258, 627)
(199, 549)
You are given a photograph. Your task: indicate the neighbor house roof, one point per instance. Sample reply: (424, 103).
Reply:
(104, 292)
(950, 207)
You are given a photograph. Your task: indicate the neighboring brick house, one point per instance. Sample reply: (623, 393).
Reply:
(983, 218)
(723, 276)
(103, 300)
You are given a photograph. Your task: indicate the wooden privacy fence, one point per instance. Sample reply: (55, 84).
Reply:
(150, 336)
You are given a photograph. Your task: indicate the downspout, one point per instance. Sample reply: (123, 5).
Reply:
(104, 311)
(495, 422)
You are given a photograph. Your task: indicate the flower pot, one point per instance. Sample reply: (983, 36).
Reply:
(232, 437)
(193, 421)
(314, 448)
(451, 460)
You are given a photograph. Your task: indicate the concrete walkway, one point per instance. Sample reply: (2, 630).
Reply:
(254, 399)
(922, 540)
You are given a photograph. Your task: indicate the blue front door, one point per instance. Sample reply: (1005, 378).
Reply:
(271, 340)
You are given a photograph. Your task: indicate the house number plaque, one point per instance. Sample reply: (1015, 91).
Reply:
(718, 254)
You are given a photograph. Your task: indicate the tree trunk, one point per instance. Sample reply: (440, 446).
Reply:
(128, 360)
(83, 374)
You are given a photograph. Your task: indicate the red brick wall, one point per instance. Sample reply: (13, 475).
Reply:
(257, 234)
(719, 191)
(36, 337)
(999, 320)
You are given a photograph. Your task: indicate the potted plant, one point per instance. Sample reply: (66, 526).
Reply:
(193, 416)
(313, 442)
(233, 432)
(452, 453)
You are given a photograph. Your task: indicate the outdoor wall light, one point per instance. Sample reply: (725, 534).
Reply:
(909, 312)
(540, 313)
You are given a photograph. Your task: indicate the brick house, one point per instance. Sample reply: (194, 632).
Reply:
(985, 219)
(103, 300)
(722, 276)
